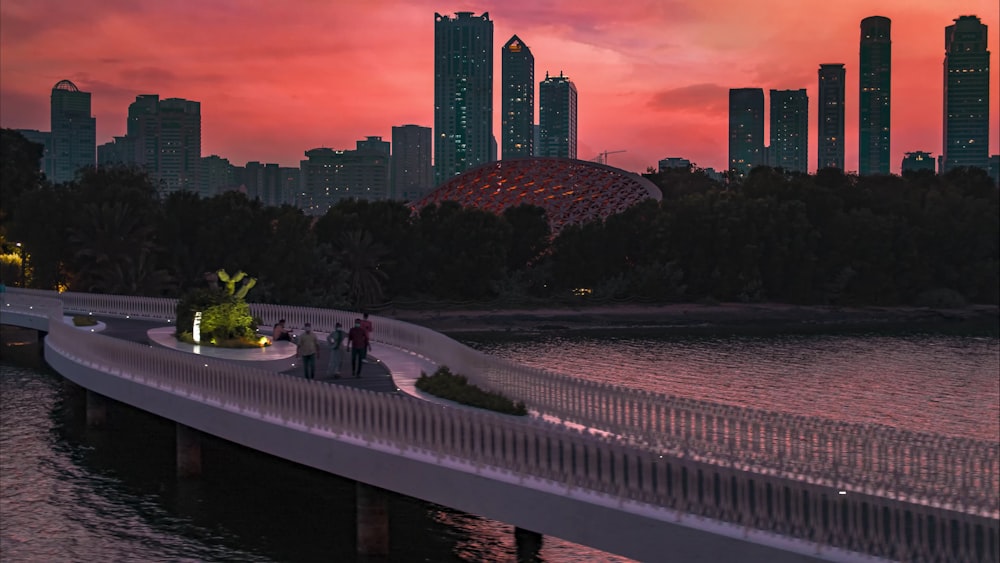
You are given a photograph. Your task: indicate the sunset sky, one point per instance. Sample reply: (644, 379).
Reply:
(277, 78)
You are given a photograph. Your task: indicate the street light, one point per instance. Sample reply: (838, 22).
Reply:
(20, 278)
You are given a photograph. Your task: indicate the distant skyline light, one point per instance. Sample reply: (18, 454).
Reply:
(653, 77)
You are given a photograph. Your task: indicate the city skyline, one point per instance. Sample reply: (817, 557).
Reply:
(277, 82)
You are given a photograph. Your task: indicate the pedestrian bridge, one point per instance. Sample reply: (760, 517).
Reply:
(643, 475)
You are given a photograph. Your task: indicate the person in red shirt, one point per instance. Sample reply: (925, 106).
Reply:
(357, 339)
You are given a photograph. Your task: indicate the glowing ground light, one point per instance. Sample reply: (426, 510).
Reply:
(841, 492)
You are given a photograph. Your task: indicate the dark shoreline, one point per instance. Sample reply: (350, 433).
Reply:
(711, 318)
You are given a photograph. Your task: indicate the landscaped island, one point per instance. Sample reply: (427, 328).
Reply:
(454, 387)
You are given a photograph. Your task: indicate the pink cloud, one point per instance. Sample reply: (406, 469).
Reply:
(276, 79)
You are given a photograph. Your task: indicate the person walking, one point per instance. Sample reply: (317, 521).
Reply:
(357, 339)
(336, 340)
(307, 349)
(367, 326)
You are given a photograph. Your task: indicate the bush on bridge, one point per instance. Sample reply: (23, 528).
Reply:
(454, 387)
(225, 317)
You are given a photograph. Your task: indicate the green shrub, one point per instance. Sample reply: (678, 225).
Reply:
(226, 321)
(197, 300)
(454, 387)
(83, 320)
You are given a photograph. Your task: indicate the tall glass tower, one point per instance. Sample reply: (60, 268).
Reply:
(790, 130)
(966, 95)
(463, 93)
(746, 129)
(557, 116)
(830, 139)
(875, 81)
(518, 105)
(74, 132)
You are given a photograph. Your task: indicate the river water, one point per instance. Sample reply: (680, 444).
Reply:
(73, 493)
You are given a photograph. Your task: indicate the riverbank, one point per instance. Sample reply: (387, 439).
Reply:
(736, 316)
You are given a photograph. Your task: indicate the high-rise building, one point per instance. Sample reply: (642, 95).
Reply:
(374, 146)
(412, 175)
(746, 129)
(74, 132)
(789, 147)
(557, 99)
(917, 160)
(518, 105)
(830, 118)
(674, 162)
(216, 176)
(165, 138)
(264, 182)
(463, 93)
(115, 152)
(995, 169)
(875, 80)
(290, 185)
(329, 176)
(966, 95)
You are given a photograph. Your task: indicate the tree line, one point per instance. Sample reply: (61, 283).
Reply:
(828, 238)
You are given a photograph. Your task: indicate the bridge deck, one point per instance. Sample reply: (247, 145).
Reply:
(388, 370)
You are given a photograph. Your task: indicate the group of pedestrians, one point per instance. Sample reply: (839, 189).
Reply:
(358, 340)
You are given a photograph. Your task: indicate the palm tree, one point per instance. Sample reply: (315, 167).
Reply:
(114, 251)
(360, 257)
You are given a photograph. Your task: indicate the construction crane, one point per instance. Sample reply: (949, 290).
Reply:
(602, 158)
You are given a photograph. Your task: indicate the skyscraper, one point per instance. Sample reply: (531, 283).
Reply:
(518, 105)
(830, 153)
(917, 160)
(74, 132)
(966, 95)
(463, 93)
(557, 116)
(329, 176)
(165, 139)
(790, 130)
(411, 162)
(746, 129)
(875, 81)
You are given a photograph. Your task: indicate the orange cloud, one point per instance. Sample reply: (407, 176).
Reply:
(275, 79)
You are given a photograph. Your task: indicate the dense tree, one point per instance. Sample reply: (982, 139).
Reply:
(530, 235)
(19, 170)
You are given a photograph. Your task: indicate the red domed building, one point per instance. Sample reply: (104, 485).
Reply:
(570, 191)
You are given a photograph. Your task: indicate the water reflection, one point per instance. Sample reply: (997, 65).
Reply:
(948, 384)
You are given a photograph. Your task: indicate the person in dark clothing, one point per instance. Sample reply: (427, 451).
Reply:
(280, 333)
(357, 339)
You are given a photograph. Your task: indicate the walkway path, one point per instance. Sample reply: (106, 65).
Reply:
(388, 370)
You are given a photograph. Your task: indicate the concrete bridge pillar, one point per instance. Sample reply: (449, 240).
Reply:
(373, 520)
(188, 451)
(528, 545)
(97, 409)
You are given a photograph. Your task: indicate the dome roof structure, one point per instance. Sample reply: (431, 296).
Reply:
(66, 85)
(570, 191)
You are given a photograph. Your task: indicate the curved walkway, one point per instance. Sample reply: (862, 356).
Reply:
(389, 369)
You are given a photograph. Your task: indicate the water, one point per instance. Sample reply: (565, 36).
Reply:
(943, 383)
(73, 493)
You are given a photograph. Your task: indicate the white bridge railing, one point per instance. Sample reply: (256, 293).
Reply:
(959, 473)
